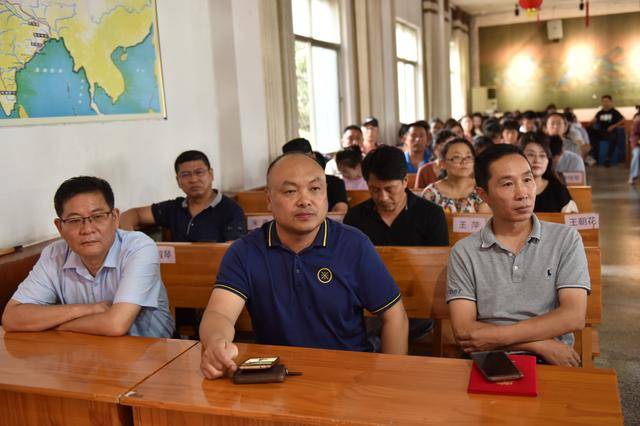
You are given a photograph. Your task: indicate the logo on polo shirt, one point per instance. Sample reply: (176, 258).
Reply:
(325, 275)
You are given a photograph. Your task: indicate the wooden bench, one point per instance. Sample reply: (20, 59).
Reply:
(474, 221)
(252, 201)
(420, 272)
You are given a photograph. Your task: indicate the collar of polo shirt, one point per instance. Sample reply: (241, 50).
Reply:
(215, 202)
(321, 239)
(488, 238)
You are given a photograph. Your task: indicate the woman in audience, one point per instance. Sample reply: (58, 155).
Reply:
(551, 194)
(634, 140)
(430, 172)
(349, 162)
(467, 126)
(456, 193)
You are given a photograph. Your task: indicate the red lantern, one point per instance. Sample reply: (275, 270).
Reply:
(530, 4)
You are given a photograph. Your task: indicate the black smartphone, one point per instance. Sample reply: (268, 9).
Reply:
(496, 366)
(259, 363)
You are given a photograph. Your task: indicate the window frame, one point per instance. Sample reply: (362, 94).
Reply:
(338, 49)
(417, 71)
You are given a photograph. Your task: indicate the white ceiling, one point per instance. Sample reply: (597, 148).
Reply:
(484, 7)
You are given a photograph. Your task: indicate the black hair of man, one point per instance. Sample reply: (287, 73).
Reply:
(297, 145)
(349, 157)
(606, 97)
(191, 155)
(352, 127)
(404, 129)
(451, 123)
(82, 185)
(569, 116)
(386, 162)
(489, 156)
(492, 128)
(436, 120)
(478, 114)
(510, 125)
(442, 136)
(370, 121)
(320, 159)
(423, 124)
(480, 143)
(529, 115)
(555, 144)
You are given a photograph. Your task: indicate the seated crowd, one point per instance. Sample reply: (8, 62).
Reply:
(519, 284)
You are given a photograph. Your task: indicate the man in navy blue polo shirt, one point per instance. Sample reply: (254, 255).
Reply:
(205, 215)
(305, 280)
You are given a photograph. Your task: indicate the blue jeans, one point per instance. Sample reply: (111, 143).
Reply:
(635, 163)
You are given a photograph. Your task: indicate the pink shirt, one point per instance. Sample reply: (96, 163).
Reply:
(354, 184)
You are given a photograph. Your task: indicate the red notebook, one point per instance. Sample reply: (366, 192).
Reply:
(526, 386)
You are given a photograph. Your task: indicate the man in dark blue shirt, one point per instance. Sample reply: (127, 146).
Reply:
(305, 279)
(205, 215)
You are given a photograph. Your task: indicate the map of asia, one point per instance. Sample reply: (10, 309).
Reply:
(79, 60)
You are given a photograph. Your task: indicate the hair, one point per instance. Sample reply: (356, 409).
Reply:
(542, 141)
(310, 155)
(435, 120)
(606, 97)
(82, 185)
(420, 123)
(489, 156)
(386, 162)
(492, 128)
(320, 159)
(550, 106)
(441, 137)
(510, 125)
(300, 145)
(349, 157)
(569, 116)
(191, 155)
(448, 145)
(451, 123)
(352, 127)
(529, 115)
(481, 143)
(555, 144)
(404, 129)
(477, 114)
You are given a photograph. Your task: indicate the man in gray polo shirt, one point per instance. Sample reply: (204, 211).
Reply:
(519, 284)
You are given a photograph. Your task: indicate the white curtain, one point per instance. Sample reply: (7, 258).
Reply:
(461, 77)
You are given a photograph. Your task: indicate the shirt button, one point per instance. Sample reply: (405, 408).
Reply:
(297, 271)
(515, 267)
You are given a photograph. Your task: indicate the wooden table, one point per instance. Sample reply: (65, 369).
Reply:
(63, 378)
(360, 388)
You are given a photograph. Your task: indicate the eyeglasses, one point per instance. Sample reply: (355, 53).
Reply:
(460, 160)
(197, 173)
(76, 222)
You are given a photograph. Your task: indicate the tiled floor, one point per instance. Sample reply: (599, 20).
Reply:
(618, 204)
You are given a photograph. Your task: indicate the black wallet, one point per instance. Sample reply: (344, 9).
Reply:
(274, 374)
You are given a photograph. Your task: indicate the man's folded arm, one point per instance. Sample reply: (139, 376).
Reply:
(115, 321)
(19, 316)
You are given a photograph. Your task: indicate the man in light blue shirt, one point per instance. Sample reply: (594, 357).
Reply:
(98, 279)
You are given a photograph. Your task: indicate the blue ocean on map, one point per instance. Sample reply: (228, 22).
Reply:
(48, 86)
(137, 64)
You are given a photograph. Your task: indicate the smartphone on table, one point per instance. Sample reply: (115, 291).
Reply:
(496, 366)
(259, 363)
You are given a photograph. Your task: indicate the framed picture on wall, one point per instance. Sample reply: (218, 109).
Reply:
(79, 60)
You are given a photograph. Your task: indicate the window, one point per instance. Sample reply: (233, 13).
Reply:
(316, 27)
(407, 57)
(458, 98)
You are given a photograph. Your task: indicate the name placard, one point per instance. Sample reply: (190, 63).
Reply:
(167, 254)
(254, 222)
(574, 178)
(583, 220)
(468, 224)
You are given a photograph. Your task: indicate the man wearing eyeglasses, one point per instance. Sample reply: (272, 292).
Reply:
(205, 215)
(97, 279)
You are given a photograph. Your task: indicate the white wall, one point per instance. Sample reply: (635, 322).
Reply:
(136, 157)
